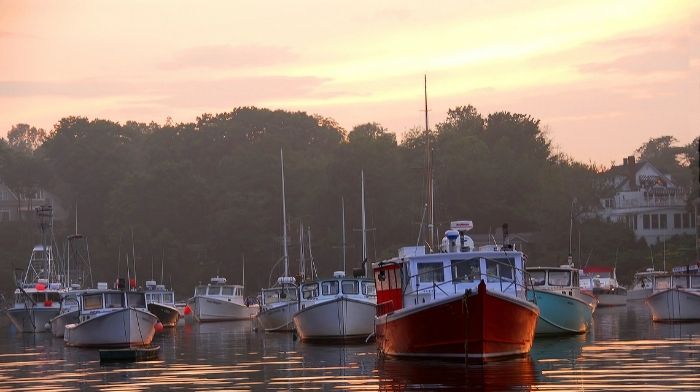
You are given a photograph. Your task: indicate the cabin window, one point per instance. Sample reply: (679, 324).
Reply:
(168, 298)
(559, 278)
(215, 290)
(70, 301)
(156, 298)
(680, 281)
(54, 297)
(695, 282)
(329, 287)
(136, 300)
(271, 296)
(497, 269)
(350, 287)
(574, 279)
(91, 302)
(114, 300)
(310, 291)
(200, 290)
(370, 290)
(662, 282)
(538, 278)
(290, 294)
(227, 291)
(466, 270)
(430, 272)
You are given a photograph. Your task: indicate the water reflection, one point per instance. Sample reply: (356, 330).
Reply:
(623, 351)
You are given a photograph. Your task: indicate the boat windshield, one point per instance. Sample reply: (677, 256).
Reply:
(168, 298)
(350, 287)
(538, 278)
(466, 270)
(136, 300)
(272, 296)
(309, 290)
(431, 272)
(329, 287)
(559, 278)
(114, 300)
(369, 289)
(497, 269)
(200, 290)
(227, 290)
(662, 282)
(92, 301)
(215, 290)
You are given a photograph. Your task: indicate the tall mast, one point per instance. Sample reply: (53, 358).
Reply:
(429, 171)
(364, 225)
(342, 203)
(284, 220)
(302, 257)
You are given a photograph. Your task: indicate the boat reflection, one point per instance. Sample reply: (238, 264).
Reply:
(402, 375)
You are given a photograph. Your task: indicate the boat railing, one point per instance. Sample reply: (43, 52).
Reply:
(517, 283)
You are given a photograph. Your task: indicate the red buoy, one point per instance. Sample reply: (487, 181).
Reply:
(187, 310)
(159, 327)
(48, 303)
(40, 287)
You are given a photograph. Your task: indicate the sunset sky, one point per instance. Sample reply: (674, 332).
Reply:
(602, 76)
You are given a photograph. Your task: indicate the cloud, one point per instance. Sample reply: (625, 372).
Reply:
(641, 63)
(227, 57)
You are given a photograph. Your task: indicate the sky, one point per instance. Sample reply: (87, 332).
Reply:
(603, 77)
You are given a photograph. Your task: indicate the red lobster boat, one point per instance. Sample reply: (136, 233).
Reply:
(460, 303)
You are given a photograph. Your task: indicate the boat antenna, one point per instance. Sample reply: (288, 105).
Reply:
(162, 263)
(314, 272)
(243, 257)
(571, 228)
(284, 220)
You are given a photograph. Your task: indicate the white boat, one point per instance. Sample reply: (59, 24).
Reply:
(69, 313)
(161, 302)
(676, 296)
(38, 295)
(279, 303)
(643, 284)
(601, 282)
(219, 301)
(563, 308)
(338, 308)
(112, 318)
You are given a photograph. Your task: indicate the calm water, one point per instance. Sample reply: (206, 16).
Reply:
(624, 351)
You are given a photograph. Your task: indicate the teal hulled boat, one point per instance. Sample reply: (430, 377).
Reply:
(563, 308)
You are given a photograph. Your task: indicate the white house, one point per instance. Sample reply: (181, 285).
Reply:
(648, 201)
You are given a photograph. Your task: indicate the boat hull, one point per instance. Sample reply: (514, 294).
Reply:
(639, 294)
(58, 323)
(675, 304)
(561, 314)
(32, 320)
(212, 309)
(341, 318)
(606, 299)
(278, 317)
(119, 328)
(475, 326)
(167, 315)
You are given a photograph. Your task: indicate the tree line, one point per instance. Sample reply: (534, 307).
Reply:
(200, 197)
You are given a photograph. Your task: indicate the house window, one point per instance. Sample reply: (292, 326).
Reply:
(4, 195)
(634, 221)
(686, 221)
(4, 215)
(654, 221)
(662, 221)
(645, 222)
(677, 223)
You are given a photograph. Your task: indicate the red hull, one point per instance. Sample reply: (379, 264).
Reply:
(490, 325)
